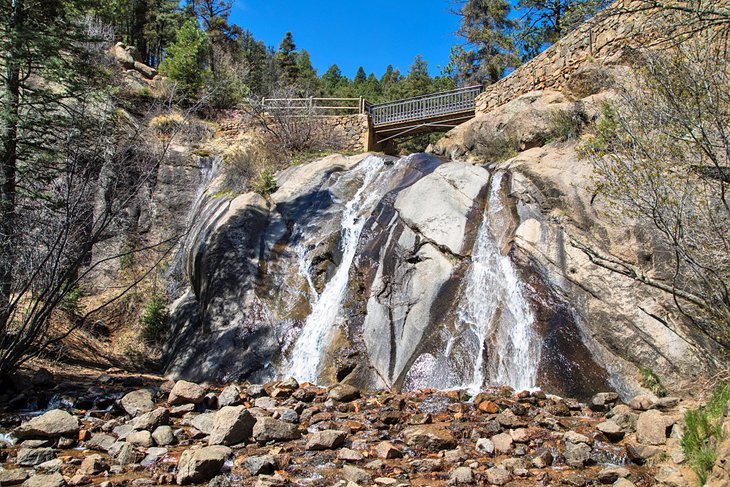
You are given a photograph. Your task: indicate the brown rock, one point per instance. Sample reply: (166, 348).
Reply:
(387, 450)
(502, 443)
(651, 428)
(489, 407)
(93, 465)
(186, 392)
(429, 437)
(343, 393)
(52, 424)
(269, 429)
(231, 425)
(326, 440)
(201, 465)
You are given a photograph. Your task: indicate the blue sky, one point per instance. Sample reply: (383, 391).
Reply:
(353, 33)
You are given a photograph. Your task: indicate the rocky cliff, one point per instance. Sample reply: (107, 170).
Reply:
(477, 264)
(363, 269)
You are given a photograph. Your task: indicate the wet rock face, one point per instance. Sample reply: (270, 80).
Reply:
(586, 313)
(258, 268)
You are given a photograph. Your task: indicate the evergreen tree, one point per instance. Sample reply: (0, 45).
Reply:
(307, 78)
(360, 77)
(186, 61)
(545, 21)
(372, 90)
(161, 24)
(287, 58)
(487, 31)
(419, 81)
(261, 73)
(391, 84)
(333, 80)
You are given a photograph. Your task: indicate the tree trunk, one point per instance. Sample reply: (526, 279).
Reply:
(9, 157)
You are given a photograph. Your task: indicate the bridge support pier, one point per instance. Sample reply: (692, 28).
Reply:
(374, 144)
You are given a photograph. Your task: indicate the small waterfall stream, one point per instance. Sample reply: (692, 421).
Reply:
(304, 363)
(494, 308)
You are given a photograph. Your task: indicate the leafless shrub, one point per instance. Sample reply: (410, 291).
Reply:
(76, 205)
(662, 156)
(292, 122)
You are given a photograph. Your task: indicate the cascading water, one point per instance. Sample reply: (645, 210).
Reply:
(494, 309)
(305, 358)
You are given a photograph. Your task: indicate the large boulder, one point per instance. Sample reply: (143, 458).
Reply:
(326, 440)
(201, 465)
(30, 457)
(42, 480)
(429, 437)
(138, 402)
(52, 424)
(651, 428)
(186, 392)
(523, 123)
(123, 55)
(15, 476)
(269, 429)
(153, 419)
(231, 425)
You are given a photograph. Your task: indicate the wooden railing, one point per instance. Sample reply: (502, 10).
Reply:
(316, 106)
(426, 106)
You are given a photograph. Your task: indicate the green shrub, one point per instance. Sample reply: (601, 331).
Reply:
(154, 319)
(71, 302)
(185, 62)
(127, 260)
(703, 432)
(266, 183)
(498, 148)
(566, 124)
(605, 139)
(651, 381)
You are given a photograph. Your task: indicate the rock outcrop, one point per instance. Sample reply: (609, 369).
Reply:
(557, 218)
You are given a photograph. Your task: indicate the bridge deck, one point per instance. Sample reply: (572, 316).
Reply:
(425, 108)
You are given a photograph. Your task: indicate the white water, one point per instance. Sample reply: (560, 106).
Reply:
(494, 308)
(305, 359)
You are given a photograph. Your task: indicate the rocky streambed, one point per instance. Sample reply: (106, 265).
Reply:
(123, 430)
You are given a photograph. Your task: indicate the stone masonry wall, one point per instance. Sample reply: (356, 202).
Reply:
(605, 39)
(341, 132)
(348, 132)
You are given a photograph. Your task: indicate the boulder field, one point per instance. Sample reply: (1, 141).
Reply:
(284, 433)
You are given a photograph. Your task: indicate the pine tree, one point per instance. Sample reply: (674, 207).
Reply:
(545, 21)
(186, 61)
(419, 81)
(262, 73)
(360, 77)
(333, 80)
(307, 78)
(487, 30)
(391, 84)
(286, 58)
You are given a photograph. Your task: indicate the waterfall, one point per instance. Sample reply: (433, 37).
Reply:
(494, 309)
(305, 359)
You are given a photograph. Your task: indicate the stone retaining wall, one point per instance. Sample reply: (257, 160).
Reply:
(605, 39)
(341, 132)
(349, 132)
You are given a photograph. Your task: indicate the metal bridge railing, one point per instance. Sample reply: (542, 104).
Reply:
(318, 106)
(426, 106)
